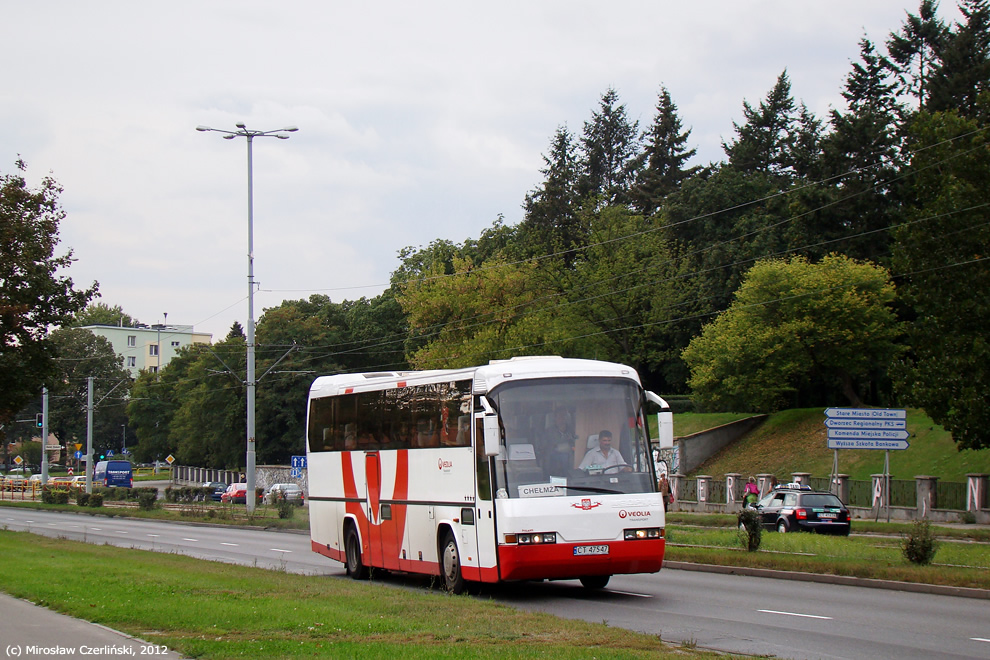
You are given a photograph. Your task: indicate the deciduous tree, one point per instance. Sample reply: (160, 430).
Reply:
(34, 296)
(795, 324)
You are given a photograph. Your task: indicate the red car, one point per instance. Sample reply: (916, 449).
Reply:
(236, 493)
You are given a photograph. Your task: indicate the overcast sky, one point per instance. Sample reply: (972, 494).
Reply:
(417, 121)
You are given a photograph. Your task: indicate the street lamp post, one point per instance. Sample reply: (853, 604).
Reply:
(243, 131)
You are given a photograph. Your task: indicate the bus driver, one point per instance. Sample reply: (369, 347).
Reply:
(603, 457)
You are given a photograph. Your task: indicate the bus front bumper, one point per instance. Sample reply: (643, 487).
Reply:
(564, 560)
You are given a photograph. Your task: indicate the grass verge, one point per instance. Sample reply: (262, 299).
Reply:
(211, 610)
(960, 564)
(199, 512)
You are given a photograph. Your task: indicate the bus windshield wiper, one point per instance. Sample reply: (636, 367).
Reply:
(590, 489)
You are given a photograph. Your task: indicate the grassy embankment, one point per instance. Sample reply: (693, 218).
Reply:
(208, 609)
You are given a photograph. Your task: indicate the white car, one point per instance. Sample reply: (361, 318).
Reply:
(290, 492)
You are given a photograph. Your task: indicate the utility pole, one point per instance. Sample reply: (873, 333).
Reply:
(89, 435)
(44, 435)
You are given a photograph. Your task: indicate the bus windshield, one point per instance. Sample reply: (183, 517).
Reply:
(571, 436)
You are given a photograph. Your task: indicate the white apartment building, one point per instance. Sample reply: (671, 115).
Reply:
(148, 347)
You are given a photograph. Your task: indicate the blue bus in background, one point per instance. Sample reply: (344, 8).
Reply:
(114, 473)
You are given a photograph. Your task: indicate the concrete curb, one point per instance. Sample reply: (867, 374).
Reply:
(915, 587)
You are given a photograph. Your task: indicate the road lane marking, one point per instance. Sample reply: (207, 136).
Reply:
(279, 550)
(628, 593)
(805, 616)
(231, 544)
(193, 540)
(154, 535)
(980, 639)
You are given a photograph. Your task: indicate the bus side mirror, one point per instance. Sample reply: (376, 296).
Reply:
(492, 435)
(665, 422)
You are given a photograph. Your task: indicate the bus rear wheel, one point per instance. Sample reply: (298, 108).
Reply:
(352, 550)
(450, 565)
(595, 581)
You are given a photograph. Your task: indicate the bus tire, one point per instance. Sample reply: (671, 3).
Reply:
(450, 565)
(595, 581)
(352, 555)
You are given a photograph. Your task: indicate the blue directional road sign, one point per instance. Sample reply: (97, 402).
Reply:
(299, 462)
(832, 423)
(866, 413)
(865, 428)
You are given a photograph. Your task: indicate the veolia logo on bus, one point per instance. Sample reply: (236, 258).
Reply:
(634, 514)
(444, 465)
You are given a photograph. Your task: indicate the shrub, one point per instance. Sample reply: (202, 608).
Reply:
(750, 529)
(920, 545)
(96, 500)
(61, 496)
(82, 499)
(148, 501)
(285, 508)
(48, 495)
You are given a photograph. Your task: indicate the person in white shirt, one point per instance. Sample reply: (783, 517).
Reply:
(603, 457)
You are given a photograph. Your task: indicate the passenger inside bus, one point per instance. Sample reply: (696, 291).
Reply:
(558, 444)
(602, 458)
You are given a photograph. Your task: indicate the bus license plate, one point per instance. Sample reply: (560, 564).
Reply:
(581, 550)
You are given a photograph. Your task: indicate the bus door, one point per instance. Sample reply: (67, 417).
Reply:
(484, 523)
(373, 474)
(386, 519)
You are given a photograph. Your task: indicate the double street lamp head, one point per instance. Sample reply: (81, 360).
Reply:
(244, 131)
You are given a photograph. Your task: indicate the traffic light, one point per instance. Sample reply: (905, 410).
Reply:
(39, 420)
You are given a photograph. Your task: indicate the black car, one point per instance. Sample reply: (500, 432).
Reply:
(795, 507)
(218, 488)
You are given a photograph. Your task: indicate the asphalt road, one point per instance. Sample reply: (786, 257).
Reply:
(739, 614)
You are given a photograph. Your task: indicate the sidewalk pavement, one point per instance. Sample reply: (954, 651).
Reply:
(31, 631)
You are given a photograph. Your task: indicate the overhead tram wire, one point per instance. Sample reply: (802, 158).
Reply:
(360, 345)
(903, 175)
(364, 345)
(703, 216)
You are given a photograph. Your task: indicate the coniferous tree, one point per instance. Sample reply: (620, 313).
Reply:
(762, 142)
(609, 148)
(915, 49)
(861, 153)
(550, 225)
(941, 255)
(664, 156)
(805, 156)
(964, 68)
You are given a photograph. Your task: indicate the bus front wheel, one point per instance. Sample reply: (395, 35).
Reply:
(595, 581)
(352, 549)
(450, 565)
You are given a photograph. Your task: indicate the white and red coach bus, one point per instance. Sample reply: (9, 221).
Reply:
(475, 474)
